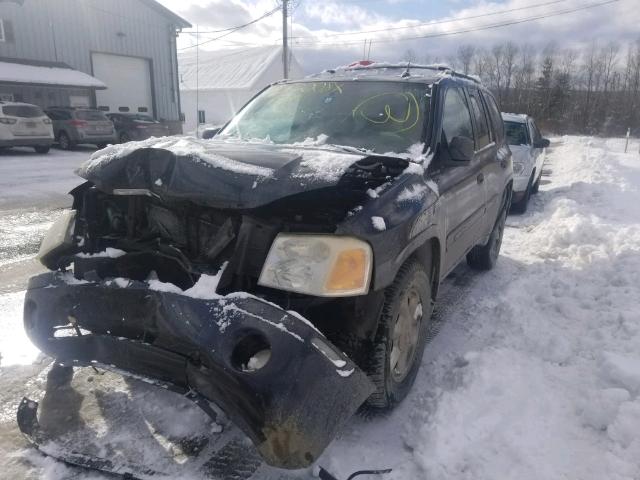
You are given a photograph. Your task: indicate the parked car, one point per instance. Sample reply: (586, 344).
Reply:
(24, 125)
(239, 270)
(73, 126)
(528, 148)
(137, 126)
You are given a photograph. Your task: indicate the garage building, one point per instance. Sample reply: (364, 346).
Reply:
(116, 55)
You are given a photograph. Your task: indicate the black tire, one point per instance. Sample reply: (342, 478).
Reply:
(101, 145)
(42, 148)
(64, 142)
(124, 138)
(521, 206)
(484, 257)
(536, 186)
(393, 385)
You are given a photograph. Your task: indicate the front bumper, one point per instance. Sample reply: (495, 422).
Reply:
(291, 408)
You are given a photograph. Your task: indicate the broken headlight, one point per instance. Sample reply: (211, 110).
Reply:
(320, 265)
(58, 239)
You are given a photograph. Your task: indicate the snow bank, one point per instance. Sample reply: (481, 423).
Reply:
(15, 346)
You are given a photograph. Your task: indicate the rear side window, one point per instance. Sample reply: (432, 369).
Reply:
(24, 111)
(494, 115)
(482, 128)
(456, 120)
(90, 115)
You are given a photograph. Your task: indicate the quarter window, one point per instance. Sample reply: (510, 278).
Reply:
(482, 128)
(456, 120)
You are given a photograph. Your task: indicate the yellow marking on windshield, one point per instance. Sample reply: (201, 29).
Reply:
(412, 103)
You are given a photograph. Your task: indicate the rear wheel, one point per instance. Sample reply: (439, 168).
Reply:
(101, 146)
(124, 138)
(401, 337)
(42, 149)
(522, 205)
(484, 257)
(64, 142)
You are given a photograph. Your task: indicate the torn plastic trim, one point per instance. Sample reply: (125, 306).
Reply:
(291, 407)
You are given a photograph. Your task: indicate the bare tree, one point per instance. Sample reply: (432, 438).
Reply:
(465, 57)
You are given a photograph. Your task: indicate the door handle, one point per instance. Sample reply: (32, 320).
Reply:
(480, 178)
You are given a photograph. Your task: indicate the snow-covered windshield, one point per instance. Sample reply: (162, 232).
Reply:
(378, 116)
(517, 133)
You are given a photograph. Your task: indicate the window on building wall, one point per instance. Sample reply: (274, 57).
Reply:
(2, 36)
(201, 117)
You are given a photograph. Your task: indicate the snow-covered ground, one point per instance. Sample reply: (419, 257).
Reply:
(535, 373)
(29, 180)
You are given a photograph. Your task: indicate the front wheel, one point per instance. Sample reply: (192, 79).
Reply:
(64, 142)
(42, 148)
(401, 337)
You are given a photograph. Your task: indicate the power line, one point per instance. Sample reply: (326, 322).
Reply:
(418, 25)
(233, 30)
(468, 30)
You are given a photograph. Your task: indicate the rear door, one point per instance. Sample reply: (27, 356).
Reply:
(461, 187)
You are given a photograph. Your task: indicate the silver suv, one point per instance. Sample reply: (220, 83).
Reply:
(73, 126)
(24, 125)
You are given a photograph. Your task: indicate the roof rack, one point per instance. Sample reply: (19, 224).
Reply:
(408, 67)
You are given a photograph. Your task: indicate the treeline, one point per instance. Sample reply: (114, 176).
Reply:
(595, 90)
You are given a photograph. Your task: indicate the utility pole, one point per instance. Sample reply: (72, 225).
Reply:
(285, 39)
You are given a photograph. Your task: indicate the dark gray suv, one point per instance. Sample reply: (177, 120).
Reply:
(73, 126)
(285, 270)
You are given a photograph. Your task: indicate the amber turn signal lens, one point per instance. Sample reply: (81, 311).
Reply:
(349, 272)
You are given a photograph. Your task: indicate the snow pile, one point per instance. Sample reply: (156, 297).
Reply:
(412, 193)
(327, 165)
(536, 372)
(15, 347)
(198, 149)
(107, 253)
(379, 223)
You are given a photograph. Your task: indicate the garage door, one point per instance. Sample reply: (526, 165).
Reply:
(128, 81)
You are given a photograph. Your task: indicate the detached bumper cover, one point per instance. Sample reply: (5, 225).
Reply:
(291, 408)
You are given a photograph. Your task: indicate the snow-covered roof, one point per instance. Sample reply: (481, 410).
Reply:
(225, 69)
(515, 117)
(47, 75)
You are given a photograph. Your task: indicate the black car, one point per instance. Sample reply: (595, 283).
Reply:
(286, 269)
(137, 126)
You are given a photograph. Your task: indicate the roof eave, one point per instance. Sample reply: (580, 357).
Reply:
(179, 21)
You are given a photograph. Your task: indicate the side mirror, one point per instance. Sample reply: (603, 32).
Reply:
(210, 133)
(461, 149)
(542, 143)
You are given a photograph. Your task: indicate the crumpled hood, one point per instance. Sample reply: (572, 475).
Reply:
(216, 173)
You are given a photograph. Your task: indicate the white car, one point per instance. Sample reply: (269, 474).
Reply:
(528, 149)
(25, 125)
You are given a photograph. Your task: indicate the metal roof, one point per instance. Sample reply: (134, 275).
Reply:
(45, 73)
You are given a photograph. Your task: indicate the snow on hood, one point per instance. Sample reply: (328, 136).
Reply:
(228, 173)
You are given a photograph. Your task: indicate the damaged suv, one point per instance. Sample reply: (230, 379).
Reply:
(285, 270)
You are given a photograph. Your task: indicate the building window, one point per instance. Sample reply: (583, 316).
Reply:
(143, 109)
(123, 109)
(2, 37)
(201, 117)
